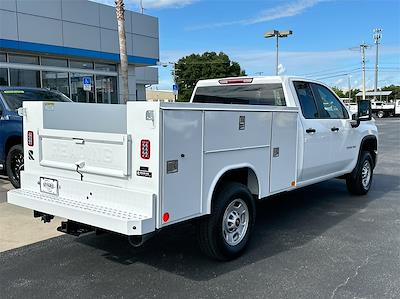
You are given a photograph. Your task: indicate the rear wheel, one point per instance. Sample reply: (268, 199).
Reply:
(14, 164)
(380, 114)
(225, 234)
(359, 181)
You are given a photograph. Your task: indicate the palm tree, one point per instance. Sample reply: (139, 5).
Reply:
(120, 10)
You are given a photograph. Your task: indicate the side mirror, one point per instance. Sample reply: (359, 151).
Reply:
(355, 122)
(364, 110)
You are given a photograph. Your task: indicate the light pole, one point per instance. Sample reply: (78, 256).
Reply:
(173, 73)
(377, 38)
(277, 34)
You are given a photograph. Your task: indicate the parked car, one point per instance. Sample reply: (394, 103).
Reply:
(135, 169)
(11, 151)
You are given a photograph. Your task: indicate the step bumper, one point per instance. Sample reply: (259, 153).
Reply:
(118, 220)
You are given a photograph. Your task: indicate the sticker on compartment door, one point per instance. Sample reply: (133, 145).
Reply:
(242, 122)
(144, 172)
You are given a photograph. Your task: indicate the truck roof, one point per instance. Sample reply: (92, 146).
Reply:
(246, 79)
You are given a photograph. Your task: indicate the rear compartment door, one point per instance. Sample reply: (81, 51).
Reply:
(182, 169)
(104, 154)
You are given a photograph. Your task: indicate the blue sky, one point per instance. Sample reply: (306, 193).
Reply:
(323, 33)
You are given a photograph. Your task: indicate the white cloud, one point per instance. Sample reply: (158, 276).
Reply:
(282, 11)
(151, 3)
(281, 69)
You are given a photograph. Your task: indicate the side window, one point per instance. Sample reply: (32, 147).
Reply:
(306, 99)
(328, 104)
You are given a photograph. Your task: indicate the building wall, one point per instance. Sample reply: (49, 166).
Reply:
(79, 24)
(79, 29)
(160, 95)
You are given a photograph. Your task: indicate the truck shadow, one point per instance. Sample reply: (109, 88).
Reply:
(283, 223)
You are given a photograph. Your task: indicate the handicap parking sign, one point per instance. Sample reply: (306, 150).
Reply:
(87, 83)
(175, 89)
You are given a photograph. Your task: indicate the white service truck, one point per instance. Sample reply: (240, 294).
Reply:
(135, 169)
(382, 109)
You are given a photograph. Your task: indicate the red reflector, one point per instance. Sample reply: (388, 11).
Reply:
(30, 138)
(145, 149)
(235, 81)
(165, 217)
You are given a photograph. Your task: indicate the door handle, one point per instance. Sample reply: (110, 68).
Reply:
(310, 131)
(334, 129)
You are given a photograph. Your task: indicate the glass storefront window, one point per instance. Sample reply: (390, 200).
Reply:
(81, 64)
(106, 89)
(78, 94)
(3, 57)
(105, 67)
(48, 61)
(24, 59)
(56, 81)
(26, 78)
(3, 77)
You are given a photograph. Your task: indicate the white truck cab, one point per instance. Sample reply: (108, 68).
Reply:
(137, 168)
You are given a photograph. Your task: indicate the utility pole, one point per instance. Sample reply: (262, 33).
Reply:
(377, 39)
(348, 80)
(120, 11)
(141, 7)
(363, 46)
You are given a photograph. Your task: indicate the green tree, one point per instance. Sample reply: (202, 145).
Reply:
(395, 91)
(338, 92)
(209, 65)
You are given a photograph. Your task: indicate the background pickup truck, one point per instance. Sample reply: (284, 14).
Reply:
(137, 168)
(11, 153)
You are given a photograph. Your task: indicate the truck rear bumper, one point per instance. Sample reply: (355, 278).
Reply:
(119, 220)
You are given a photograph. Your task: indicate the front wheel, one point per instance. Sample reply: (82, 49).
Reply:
(359, 181)
(14, 164)
(225, 234)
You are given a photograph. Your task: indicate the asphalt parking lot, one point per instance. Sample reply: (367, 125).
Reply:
(317, 242)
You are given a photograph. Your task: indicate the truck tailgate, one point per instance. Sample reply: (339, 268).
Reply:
(97, 153)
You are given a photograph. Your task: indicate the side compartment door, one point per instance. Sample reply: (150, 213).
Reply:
(315, 135)
(182, 164)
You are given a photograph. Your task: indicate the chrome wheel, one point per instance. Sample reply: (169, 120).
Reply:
(366, 174)
(235, 222)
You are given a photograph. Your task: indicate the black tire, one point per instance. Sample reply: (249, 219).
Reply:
(210, 230)
(355, 180)
(380, 114)
(14, 164)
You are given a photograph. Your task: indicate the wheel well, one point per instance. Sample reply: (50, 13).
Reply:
(370, 144)
(245, 176)
(11, 141)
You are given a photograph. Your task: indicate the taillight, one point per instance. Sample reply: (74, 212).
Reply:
(145, 149)
(235, 81)
(30, 138)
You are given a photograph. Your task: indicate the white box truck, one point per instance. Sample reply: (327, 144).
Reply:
(134, 169)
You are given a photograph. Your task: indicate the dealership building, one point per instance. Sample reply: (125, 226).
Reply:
(72, 46)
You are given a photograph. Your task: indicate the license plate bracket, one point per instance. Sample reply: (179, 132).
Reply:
(49, 186)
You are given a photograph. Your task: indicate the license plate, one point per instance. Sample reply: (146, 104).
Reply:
(49, 186)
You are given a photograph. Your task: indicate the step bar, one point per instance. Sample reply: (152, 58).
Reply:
(112, 219)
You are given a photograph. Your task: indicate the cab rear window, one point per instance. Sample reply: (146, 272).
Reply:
(246, 94)
(15, 97)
